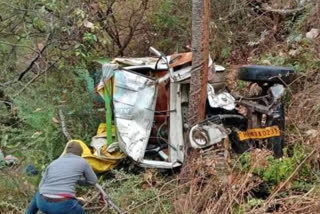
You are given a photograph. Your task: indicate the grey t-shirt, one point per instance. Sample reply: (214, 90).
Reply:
(62, 175)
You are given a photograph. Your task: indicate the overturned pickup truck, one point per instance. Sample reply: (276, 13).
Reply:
(150, 98)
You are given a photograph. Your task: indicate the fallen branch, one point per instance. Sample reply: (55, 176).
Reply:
(63, 125)
(282, 11)
(108, 200)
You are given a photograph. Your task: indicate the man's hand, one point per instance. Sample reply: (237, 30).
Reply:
(81, 200)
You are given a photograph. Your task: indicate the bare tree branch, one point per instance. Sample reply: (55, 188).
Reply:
(283, 11)
(34, 78)
(122, 34)
(35, 59)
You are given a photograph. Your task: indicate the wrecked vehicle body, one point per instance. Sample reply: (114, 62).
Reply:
(150, 104)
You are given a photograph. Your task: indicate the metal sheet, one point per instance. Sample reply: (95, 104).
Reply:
(176, 124)
(277, 91)
(159, 164)
(144, 62)
(185, 72)
(222, 100)
(134, 102)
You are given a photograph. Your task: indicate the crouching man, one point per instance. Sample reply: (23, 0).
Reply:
(56, 194)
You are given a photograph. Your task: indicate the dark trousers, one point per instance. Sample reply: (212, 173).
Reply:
(70, 206)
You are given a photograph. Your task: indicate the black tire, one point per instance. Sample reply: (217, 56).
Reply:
(260, 73)
(276, 144)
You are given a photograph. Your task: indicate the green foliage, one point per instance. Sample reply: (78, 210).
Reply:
(294, 38)
(254, 202)
(171, 24)
(225, 53)
(296, 26)
(80, 50)
(165, 19)
(277, 170)
(16, 190)
(243, 208)
(90, 38)
(244, 161)
(39, 24)
(303, 61)
(299, 52)
(241, 84)
(239, 209)
(274, 60)
(38, 136)
(132, 194)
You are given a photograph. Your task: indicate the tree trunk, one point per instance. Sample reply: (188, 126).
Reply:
(200, 59)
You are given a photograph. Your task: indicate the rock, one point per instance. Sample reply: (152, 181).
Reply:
(88, 24)
(11, 160)
(293, 52)
(312, 133)
(313, 33)
(282, 54)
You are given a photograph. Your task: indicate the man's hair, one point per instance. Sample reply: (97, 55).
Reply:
(74, 148)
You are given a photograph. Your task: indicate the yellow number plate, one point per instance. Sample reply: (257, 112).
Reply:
(259, 133)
